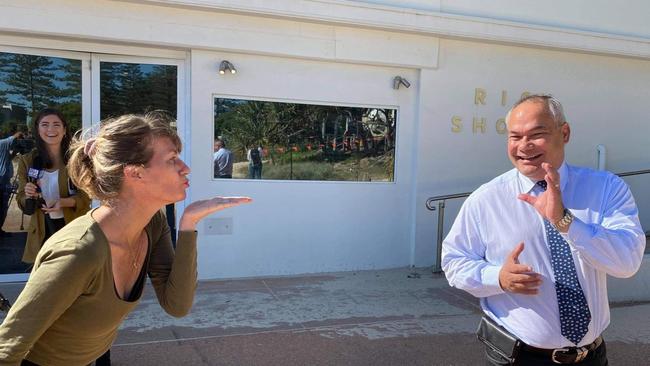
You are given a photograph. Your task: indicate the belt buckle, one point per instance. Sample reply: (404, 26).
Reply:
(555, 351)
(581, 354)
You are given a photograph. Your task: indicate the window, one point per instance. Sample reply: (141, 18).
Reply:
(295, 141)
(28, 83)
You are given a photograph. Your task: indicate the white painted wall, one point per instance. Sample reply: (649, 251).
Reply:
(605, 99)
(627, 18)
(294, 226)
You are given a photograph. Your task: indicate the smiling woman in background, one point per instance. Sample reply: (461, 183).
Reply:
(61, 202)
(89, 275)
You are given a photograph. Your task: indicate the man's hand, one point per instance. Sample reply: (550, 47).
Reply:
(548, 204)
(518, 278)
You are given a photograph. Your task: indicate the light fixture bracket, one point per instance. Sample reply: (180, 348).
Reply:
(226, 66)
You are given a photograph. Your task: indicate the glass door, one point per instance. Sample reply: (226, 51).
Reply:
(30, 80)
(124, 85)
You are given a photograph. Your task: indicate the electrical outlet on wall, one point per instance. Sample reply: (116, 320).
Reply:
(218, 226)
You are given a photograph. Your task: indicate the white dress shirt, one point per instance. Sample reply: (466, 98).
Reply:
(605, 237)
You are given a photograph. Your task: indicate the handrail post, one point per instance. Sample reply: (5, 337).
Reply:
(441, 221)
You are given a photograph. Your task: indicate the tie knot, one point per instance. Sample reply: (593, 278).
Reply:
(542, 183)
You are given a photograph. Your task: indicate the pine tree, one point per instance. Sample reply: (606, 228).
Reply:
(31, 78)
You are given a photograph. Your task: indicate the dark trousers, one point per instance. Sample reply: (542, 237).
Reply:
(52, 226)
(5, 194)
(104, 360)
(597, 357)
(254, 171)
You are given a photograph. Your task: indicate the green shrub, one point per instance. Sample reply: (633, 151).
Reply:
(301, 171)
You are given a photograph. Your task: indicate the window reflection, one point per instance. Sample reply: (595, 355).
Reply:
(294, 141)
(136, 88)
(28, 83)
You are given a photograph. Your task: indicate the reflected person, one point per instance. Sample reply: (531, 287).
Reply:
(254, 156)
(6, 173)
(222, 160)
(62, 202)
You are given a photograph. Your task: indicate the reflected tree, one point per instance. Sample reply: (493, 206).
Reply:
(137, 88)
(30, 83)
(30, 80)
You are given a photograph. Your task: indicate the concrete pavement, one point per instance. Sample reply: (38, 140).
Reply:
(387, 317)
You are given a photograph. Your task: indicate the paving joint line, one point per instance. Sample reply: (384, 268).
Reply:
(305, 329)
(278, 299)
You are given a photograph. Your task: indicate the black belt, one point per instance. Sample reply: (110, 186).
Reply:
(566, 355)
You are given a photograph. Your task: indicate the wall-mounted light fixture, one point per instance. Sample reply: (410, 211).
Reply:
(226, 66)
(398, 80)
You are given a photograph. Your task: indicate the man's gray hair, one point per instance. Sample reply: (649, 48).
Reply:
(552, 105)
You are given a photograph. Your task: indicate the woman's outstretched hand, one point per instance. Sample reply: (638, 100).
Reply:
(200, 209)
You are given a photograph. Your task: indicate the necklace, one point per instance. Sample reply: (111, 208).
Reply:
(134, 252)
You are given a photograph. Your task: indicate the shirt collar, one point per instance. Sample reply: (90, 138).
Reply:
(526, 184)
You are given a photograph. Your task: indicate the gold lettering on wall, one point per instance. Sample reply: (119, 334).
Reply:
(480, 120)
(456, 124)
(501, 126)
(479, 96)
(478, 124)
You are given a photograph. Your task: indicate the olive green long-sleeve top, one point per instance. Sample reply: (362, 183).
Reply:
(69, 311)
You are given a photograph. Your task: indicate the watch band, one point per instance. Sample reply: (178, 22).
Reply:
(565, 221)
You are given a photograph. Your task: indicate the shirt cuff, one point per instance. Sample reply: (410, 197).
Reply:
(490, 279)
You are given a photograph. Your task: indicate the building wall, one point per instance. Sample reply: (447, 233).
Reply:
(609, 17)
(303, 226)
(595, 60)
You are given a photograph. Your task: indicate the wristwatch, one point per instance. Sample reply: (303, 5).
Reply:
(565, 221)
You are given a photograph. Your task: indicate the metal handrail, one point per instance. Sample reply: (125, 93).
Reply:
(637, 172)
(437, 268)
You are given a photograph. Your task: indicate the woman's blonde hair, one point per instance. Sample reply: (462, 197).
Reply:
(97, 163)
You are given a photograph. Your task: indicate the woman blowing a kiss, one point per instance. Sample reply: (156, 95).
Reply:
(89, 275)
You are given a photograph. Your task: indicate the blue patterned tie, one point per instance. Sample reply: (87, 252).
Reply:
(574, 311)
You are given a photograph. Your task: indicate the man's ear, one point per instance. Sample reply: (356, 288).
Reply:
(566, 132)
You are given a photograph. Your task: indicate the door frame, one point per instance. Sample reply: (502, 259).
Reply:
(90, 96)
